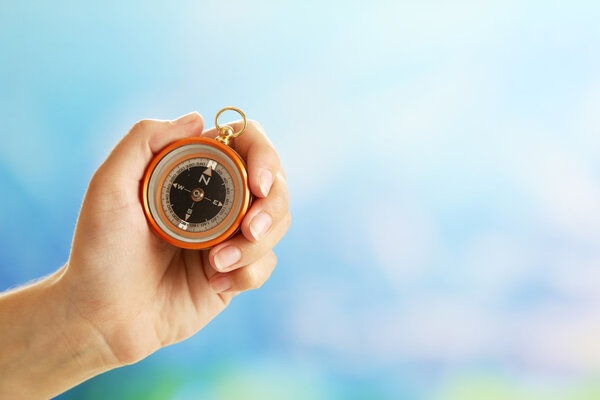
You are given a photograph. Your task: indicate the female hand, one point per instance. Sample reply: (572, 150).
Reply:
(139, 292)
(125, 292)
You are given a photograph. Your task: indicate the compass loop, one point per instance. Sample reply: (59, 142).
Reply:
(237, 110)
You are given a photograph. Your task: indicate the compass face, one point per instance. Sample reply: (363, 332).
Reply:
(197, 193)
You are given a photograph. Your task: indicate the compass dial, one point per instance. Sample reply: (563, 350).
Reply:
(196, 193)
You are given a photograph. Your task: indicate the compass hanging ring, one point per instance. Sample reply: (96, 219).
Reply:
(226, 132)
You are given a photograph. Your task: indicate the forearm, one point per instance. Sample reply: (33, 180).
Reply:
(45, 349)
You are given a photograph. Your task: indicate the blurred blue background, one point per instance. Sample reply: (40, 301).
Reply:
(444, 165)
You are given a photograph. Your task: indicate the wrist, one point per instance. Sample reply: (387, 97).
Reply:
(48, 348)
(78, 334)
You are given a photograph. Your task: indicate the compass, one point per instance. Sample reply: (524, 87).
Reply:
(195, 191)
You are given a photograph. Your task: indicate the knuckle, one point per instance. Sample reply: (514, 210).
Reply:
(264, 151)
(276, 209)
(282, 175)
(140, 125)
(275, 161)
(285, 192)
(101, 180)
(144, 125)
(252, 278)
(97, 177)
(273, 260)
(256, 125)
(280, 204)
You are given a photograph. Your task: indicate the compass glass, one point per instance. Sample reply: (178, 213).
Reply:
(197, 194)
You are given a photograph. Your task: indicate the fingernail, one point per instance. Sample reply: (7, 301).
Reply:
(186, 119)
(260, 224)
(265, 180)
(220, 283)
(226, 257)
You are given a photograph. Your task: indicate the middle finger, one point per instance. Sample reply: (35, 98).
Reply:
(239, 251)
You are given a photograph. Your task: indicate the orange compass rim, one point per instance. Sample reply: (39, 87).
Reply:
(246, 197)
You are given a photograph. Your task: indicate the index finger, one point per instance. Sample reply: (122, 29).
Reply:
(255, 147)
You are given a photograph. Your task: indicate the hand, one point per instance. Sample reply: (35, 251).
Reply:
(137, 292)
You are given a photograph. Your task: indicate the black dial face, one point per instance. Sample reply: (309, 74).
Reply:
(197, 194)
(208, 196)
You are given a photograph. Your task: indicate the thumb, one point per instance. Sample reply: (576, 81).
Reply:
(129, 159)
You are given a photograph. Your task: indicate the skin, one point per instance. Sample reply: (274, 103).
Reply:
(125, 293)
